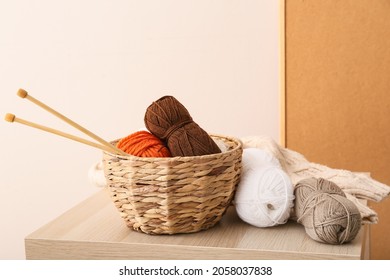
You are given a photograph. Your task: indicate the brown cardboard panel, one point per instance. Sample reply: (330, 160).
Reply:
(338, 91)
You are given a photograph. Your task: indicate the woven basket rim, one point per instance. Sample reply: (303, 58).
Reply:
(181, 158)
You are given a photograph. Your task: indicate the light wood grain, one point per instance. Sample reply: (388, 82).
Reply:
(95, 230)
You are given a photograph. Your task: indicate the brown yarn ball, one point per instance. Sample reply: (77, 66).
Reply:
(328, 216)
(169, 120)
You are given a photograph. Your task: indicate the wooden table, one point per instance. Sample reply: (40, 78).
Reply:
(94, 230)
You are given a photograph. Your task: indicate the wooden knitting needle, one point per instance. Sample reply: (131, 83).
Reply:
(12, 118)
(23, 94)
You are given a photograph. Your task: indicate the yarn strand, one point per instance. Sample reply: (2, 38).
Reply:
(354, 185)
(325, 212)
(170, 121)
(264, 196)
(143, 144)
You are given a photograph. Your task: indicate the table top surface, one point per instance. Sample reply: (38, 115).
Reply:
(94, 230)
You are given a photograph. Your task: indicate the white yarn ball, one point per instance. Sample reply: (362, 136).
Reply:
(264, 196)
(96, 175)
(254, 158)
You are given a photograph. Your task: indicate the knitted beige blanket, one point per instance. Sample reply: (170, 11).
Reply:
(356, 186)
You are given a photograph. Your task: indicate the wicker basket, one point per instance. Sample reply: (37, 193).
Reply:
(176, 194)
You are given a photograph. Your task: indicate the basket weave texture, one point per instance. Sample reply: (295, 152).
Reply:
(174, 194)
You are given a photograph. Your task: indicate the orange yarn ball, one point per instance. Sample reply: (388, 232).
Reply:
(143, 144)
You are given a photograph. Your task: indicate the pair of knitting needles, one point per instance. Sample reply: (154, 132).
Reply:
(104, 145)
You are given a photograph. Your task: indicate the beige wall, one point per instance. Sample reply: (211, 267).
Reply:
(102, 63)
